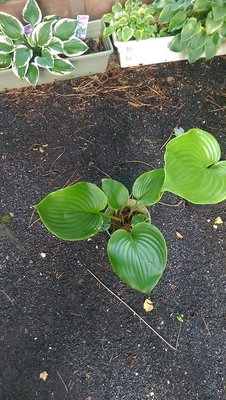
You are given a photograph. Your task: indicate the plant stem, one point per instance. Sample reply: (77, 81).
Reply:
(111, 216)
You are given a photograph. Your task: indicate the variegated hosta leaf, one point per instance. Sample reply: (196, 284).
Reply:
(5, 61)
(148, 187)
(65, 28)
(32, 13)
(42, 34)
(74, 47)
(53, 18)
(30, 40)
(22, 56)
(20, 72)
(6, 45)
(11, 26)
(32, 74)
(61, 67)
(46, 60)
(193, 170)
(117, 194)
(138, 257)
(73, 213)
(56, 46)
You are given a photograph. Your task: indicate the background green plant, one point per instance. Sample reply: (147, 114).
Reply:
(40, 44)
(197, 25)
(138, 252)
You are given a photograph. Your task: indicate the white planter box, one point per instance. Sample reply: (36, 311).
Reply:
(86, 64)
(151, 51)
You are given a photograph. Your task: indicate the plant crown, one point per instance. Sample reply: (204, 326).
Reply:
(197, 25)
(39, 44)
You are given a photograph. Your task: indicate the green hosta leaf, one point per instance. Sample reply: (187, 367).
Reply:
(120, 23)
(219, 11)
(212, 46)
(166, 14)
(117, 8)
(138, 257)
(46, 60)
(109, 30)
(119, 35)
(61, 67)
(223, 30)
(32, 13)
(116, 193)
(189, 29)
(193, 170)
(10, 26)
(74, 47)
(42, 34)
(22, 56)
(212, 25)
(202, 5)
(198, 40)
(65, 28)
(127, 33)
(6, 45)
(32, 74)
(177, 44)
(20, 72)
(30, 40)
(195, 54)
(138, 34)
(107, 17)
(148, 187)
(136, 219)
(177, 21)
(5, 61)
(73, 213)
(56, 46)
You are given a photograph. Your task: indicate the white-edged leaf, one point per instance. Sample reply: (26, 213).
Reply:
(32, 13)
(32, 74)
(22, 56)
(56, 46)
(42, 33)
(20, 72)
(6, 45)
(30, 40)
(74, 47)
(5, 61)
(11, 26)
(61, 67)
(65, 28)
(46, 59)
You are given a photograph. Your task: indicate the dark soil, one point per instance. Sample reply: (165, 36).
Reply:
(55, 316)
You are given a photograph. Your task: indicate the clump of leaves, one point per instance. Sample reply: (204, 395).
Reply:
(136, 249)
(39, 44)
(197, 25)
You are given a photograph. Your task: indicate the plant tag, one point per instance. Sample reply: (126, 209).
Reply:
(82, 24)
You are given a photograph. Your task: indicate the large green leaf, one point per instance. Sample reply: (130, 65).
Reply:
(61, 67)
(177, 21)
(148, 187)
(177, 44)
(138, 257)
(189, 29)
(74, 47)
(219, 11)
(212, 45)
(10, 26)
(32, 13)
(212, 25)
(193, 170)
(166, 14)
(46, 60)
(32, 74)
(6, 45)
(22, 56)
(42, 33)
(116, 193)
(73, 213)
(195, 54)
(65, 28)
(5, 61)
(199, 39)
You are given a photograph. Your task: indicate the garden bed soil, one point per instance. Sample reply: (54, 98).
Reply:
(56, 318)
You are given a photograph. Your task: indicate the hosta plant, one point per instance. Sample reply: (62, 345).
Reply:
(197, 25)
(39, 44)
(137, 249)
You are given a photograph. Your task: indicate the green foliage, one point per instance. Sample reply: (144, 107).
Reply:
(136, 249)
(40, 44)
(197, 25)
